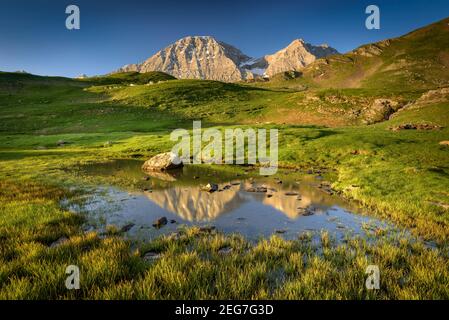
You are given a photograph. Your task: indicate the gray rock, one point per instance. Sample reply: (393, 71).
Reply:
(162, 162)
(210, 187)
(151, 256)
(59, 242)
(159, 223)
(127, 227)
(225, 250)
(61, 143)
(257, 189)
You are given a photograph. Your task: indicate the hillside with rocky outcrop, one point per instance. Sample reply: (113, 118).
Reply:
(418, 60)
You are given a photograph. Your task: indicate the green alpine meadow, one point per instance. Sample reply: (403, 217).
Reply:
(363, 178)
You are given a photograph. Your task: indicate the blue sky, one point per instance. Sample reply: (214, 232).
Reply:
(33, 36)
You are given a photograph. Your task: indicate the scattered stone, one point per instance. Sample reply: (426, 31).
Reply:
(172, 221)
(210, 187)
(328, 191)
(411, 126)
(291, 193)
(59, 242)
(162, 162)
(306, 212)
(159, 223)
(127, 227)
(359, 152)
(257, 189)
(61, 143)
(88, 229)
(225, 250)
(269, 195)
(151, 256)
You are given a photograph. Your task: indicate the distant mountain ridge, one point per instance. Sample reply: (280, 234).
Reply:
(204, 57)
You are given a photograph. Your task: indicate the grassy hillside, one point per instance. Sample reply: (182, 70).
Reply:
(416, 61)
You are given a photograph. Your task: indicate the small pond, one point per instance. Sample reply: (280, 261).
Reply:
(289, 204)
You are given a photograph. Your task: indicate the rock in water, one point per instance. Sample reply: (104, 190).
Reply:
(210, 187)
(127, 227)
(162, 162)
(160, 222)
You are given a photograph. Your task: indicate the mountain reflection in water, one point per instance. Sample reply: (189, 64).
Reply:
(193, 204)
(289, 208)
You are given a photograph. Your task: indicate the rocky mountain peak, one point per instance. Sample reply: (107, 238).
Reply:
(204, 57)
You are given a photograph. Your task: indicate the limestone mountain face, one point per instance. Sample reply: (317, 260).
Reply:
(207, 58)
(294, 57)
(196, 58)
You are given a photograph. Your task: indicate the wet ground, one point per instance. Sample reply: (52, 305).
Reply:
(153, 204)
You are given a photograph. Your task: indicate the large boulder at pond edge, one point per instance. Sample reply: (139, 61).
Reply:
(162, 162)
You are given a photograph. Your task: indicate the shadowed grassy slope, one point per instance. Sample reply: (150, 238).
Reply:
(129, 78)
